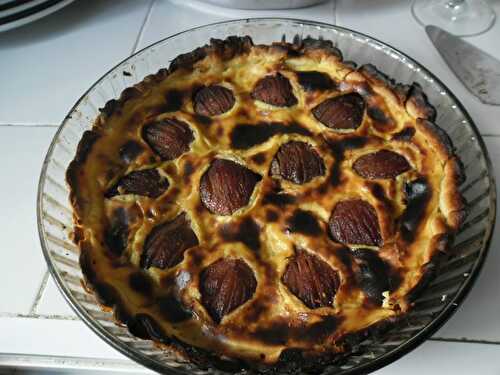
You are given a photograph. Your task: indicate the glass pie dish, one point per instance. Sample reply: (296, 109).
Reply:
(436, 303)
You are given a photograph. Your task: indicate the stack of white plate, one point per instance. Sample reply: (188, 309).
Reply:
(264, 4)
(14, 13)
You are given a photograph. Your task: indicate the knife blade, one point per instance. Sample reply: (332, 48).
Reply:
(478, 71)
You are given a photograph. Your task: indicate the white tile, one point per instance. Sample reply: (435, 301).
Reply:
(22, 266)
(46, 66)
(53, 303)
(447, 358)
(172, 16)
(391, 22)
(66, 338)
(73, 339)
(477, 318)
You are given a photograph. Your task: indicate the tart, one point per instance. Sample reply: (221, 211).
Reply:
(262, 206)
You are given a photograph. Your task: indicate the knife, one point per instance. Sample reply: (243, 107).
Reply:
(478, 71)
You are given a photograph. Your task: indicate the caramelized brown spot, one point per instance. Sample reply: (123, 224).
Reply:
(129, 151)
(355, 222)
(225, 285)
(147, 182)
(381, 164)
(213, 100)
(168, 138)
(341, 112)
(297, 162)
(165, 245)
(315, 81)
(227, 186)
(311, 280)
(274, 90)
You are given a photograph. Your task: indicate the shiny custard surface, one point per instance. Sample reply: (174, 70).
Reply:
(261, 198)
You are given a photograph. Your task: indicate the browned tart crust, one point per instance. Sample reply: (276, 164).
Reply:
(256, 205)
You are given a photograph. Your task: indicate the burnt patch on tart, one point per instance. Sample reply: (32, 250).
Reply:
(213, 100)
(417, 195)
(130, 151)
(141, 282)
(225, 285)
(147, 182)
(297, 162)
(168, 138)
(245, 136)
(275, 90)
(311, 280)
(337, 149)
(278, 199)
(247, 232)
(404, 135)
(383, 164)
(259, 158)
(165, 245)
(378, 192)
(144, 327)
(378, 115)
(187, 171)
(344, 112)
(281, 332)
(372, 274)
(227, 186)
(172, 309)
(116, 234)
(203, 120)
(304, 222)
(315, 81)
(173, 101)
(272, 216)
(355, 222)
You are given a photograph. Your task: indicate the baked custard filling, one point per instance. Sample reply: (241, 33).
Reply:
(253, 201)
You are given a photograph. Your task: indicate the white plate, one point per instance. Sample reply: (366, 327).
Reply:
(26, 12)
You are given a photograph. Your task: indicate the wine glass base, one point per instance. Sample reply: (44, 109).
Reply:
(463, 18)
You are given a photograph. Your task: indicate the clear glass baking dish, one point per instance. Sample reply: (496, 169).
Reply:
(456, 276)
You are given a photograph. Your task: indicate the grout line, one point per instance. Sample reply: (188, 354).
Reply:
(464, 341)
(334, 3)
(39, 294)
(490, 135)
(38, 316)
(28, 126)
(143, 27)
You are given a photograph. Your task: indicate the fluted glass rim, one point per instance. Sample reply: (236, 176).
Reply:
(372, 365)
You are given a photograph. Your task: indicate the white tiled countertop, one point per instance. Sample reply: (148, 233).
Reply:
(46, 66)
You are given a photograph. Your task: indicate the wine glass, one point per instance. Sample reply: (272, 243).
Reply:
(459, 17)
